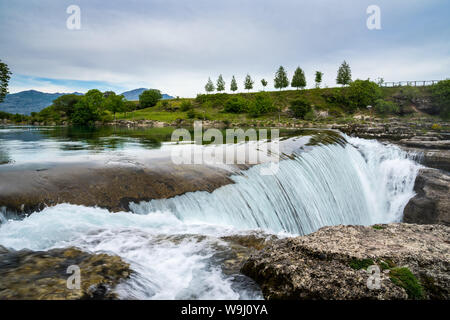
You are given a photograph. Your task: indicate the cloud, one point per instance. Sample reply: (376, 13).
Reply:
(176, 45)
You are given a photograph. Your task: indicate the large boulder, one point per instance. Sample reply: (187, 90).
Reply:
(431, 204)
(40, 275)
(332, 263)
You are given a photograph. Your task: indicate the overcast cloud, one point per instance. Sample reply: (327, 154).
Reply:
(176, 45)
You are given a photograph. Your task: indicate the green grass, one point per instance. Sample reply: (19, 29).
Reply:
(359, 264)
(403, 277)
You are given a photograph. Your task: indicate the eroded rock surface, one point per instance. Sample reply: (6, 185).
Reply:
(331, 263)
(431, 204)
(40, 275)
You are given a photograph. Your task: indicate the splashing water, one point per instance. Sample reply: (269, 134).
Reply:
(174, 245)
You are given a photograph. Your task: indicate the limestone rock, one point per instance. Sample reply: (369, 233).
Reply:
(325, 264)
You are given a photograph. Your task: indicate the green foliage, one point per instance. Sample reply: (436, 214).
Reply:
(115, 103)
(261, 105)
(88, 109)
(300, 107)
(209, 87)
(436, 126)
(5, 75)
(318, 78)
(403, 277)
(344, 76)
(298, 80)
(233, 86)
(378, 227)
(220, 84)
(362, 93)
(66, 103)
(359, 264)
(264, 83)
(309, 116)
(248, 83)
(385, 107)
(441, 96)
(281, 80)
(149, 98)
(236, 104)
(186, 105)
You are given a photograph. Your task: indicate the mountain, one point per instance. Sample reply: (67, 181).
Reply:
(134, 94)
(28, 101)
(25, 102)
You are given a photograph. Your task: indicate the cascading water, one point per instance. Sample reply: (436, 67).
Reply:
(361, 182)
(175, 245)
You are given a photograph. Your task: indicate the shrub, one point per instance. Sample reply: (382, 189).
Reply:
(236, 104)
(191, 114)
(441, 97)
(362, 93)
(386, 107)
(309, 116)
(185, 105)
(436, 126)
(300, 107)
(261, 105)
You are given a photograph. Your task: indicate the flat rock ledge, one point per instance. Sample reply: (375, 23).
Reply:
(42, 275)
(331, 264)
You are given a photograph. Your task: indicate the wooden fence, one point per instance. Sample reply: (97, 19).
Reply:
(415, 83)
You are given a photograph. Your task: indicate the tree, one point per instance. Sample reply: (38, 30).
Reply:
(220, 84)
(362, 93)
(281, 80)
(88, 109)
(298, 80)
(236, 104)
(318, 78)
(149, 98)
(115, 103)
(209, 87)
(248, 83)
(344, 76)
(233, 86)
(5, 75)
(66, 103)
(264, 83)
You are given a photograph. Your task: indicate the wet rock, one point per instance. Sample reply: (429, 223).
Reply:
(431, 204)
(40, 275)
(332, 263)
(426, 143)
(113, 188)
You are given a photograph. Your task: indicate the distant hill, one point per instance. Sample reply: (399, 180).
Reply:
(28, 101)
(134, 94)
(25, 102)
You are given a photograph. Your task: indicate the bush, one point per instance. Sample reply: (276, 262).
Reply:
(236, 104)
(149, 98)
(185, 105)
(362, 93)
(441, 97)
(436, 126)
(386, 107)
(300, 107)
(261, 105)
(191, 114)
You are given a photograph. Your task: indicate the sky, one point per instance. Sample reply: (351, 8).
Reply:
(175, 46)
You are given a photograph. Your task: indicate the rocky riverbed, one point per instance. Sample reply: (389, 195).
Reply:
(27, 274)
(413, 260)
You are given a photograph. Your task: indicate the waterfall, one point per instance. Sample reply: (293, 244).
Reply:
(359, 182)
